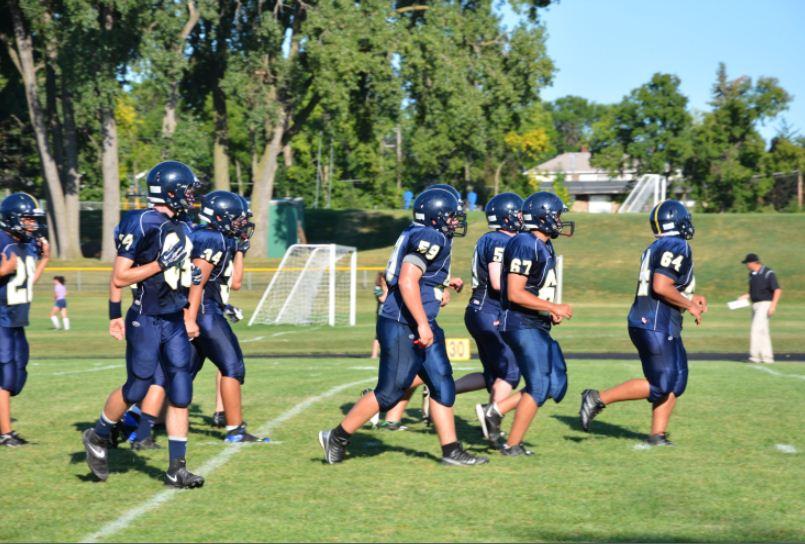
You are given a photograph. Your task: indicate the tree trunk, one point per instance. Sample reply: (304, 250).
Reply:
(50, 170)
(221, 141)
(169, 120)
(71, 179)
(239, 177)
(263, 189)
(111, 182)
(497, 176)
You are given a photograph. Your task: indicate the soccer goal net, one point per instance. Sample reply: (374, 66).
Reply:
(314, 284)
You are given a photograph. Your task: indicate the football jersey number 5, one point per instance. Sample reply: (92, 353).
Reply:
(428, 249)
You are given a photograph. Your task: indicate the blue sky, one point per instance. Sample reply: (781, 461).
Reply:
(603, 49)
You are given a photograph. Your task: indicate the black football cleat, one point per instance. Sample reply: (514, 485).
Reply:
(219, 420)
(392, 426)
(179, 476)
(8, 440)
(97, 454)
(19, 438)
(239, 434)
(147, 443)
(460, 457)
(490, 422)
(515, 451)
(659, 440)
(334, 449)
(591, 406)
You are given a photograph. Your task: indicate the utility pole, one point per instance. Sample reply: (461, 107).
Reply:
(330, 177)
(318, 175)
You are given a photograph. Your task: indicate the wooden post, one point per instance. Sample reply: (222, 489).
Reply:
(799, 189)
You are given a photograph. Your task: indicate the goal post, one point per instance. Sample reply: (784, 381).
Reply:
(314, 284)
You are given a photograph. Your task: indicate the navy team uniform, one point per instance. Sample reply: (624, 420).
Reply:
(482, 315)
(216, 341)
(527, 331)
(655, 326)
(400, 360)
(16, 293)
(157, 347)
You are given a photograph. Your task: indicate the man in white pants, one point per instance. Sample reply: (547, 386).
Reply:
(764, 293)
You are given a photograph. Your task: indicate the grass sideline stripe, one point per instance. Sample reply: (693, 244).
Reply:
(211, 465)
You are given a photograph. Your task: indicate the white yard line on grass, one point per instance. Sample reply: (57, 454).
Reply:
(773, 372)
(785, 448)
(255, 339)
(94, 369)
(216, 462)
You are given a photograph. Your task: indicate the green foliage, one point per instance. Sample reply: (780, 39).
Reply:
(573, 120)
(729, 149)
(561, 190)
(648, 131)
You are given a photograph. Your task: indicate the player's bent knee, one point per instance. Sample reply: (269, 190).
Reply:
(235, 371)
(135, 389)
(180, 389)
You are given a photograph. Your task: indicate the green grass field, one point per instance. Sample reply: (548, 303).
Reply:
(728, 479)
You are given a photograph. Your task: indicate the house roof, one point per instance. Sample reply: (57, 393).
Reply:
(569, 163)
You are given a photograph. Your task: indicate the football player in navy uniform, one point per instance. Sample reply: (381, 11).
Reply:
(527, 293)
(219, 247)
(22, 244)
(153, 251)
(411, 342)
(664, 290)
(500, 372)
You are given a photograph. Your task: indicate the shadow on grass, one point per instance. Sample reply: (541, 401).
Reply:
(598, 428)
(369, 444)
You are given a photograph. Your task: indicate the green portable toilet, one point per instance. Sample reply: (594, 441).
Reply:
(286, 219)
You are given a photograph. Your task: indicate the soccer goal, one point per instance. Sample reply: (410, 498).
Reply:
(314, 284)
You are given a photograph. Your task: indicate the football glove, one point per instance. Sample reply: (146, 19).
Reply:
(233, 313)
(172, 257)
(244, 245)
(195, 274)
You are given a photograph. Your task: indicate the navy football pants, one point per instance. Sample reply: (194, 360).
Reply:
(496, 356)
(157, 350)
(401, 361)
(541, 362)
(665, 362)
(218, 343)
(13, 359)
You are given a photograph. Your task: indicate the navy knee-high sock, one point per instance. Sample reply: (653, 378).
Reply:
(145, 426)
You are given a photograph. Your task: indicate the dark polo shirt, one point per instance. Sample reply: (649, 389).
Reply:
(762, 284)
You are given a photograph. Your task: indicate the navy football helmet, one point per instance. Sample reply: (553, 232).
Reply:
(461, 213)
(223, 211)
(246, 227)
(17, 207)
(174, 184)
(542, 212)
(438, 208)
(504, 211)
(671, 218)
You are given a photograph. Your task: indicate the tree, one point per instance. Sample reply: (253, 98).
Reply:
(22, 53)
(728, 147)
(648, 131)
(573, 120)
